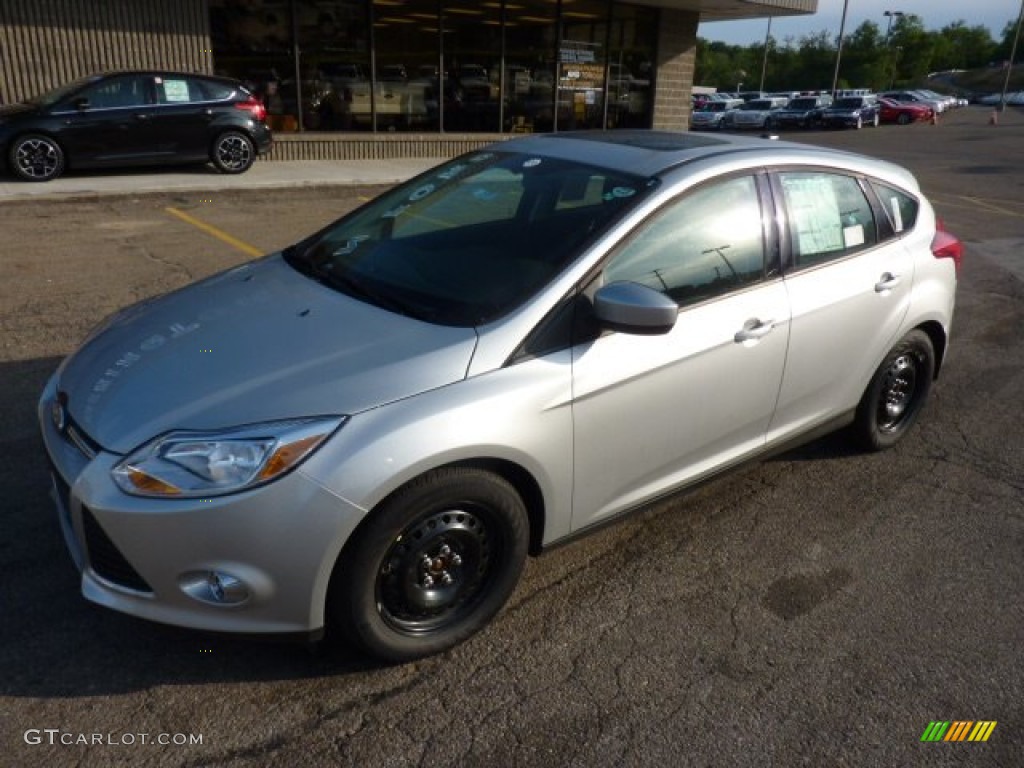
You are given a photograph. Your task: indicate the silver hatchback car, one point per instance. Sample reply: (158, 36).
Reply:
(373, 428)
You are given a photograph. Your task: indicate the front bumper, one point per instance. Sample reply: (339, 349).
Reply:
(153, 558)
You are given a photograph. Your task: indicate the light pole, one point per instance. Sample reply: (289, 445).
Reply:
(1013, 53)
(888, 30)
(764, 61)
(839, 49)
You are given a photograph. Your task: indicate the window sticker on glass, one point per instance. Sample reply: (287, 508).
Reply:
(897, 214)
(815, 213)
(175, 90)
(853, 235)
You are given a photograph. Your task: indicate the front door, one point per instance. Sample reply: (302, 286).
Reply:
(651, 413)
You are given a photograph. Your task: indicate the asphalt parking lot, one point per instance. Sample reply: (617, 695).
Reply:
(820, 608)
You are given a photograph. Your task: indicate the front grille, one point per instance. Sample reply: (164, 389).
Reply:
(105, 558)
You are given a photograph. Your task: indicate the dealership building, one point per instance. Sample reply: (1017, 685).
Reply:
(389, 78)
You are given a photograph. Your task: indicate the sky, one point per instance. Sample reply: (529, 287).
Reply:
(935, 14)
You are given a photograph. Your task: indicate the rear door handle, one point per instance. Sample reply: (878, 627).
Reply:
(887, 282)
(753, 330)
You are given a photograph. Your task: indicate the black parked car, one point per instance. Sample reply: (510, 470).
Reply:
(134, 118)
(852, 112)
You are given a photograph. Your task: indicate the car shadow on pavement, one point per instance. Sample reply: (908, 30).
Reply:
(55, 643)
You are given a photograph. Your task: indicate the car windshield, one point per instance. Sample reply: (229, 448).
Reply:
(757, 104)
(850, 103)
(803, 104)
(469, 241)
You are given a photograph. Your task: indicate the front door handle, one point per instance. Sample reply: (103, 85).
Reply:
(753, 330)
(887, 282)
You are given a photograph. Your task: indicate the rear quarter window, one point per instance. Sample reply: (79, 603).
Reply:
(900, 208)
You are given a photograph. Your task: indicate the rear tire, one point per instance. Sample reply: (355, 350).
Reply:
(431, 566)
(34, 157)
(233, 152)
(896, 394)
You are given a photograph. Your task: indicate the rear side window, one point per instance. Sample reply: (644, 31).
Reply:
(900, 208)
(829, 216)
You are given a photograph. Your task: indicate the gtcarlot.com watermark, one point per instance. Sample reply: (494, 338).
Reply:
(56, 737)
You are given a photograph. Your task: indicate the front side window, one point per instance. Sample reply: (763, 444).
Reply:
(116, 92)
(468, 242)
(707, 243)
(829, 216)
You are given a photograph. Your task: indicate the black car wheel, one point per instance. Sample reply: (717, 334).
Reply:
(431, 566)
(233, 152)
(903, 118)
(36, 158)
(897, 393)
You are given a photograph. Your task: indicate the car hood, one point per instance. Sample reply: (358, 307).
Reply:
(257, 343)
(14, 110)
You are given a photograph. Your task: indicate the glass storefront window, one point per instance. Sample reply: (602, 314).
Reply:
(453, 65)
(633, 33)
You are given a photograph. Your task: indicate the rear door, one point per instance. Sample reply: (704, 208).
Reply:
(849, 290)
(185, 110)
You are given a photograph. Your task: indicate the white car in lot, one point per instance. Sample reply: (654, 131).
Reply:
(756, 113)
(372, 429)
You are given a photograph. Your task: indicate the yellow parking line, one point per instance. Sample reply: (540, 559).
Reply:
(211, 230)
(985, 204)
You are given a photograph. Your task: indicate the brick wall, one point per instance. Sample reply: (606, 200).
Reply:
(677, 53)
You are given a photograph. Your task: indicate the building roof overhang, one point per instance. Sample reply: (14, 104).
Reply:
(724, 10)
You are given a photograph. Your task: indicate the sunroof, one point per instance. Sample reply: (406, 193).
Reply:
(662, 141)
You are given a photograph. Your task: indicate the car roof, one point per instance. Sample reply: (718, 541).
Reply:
(654, 153)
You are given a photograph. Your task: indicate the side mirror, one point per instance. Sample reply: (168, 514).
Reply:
(633, 308)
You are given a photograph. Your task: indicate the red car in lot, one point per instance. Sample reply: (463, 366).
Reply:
(903, 112)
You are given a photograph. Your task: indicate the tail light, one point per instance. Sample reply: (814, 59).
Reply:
(255, 108)
(946, 245)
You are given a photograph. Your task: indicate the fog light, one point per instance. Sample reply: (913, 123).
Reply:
(214, 587)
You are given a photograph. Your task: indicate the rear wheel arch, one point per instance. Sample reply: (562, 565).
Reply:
(937, 334)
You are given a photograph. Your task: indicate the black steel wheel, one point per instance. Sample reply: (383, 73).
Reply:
(431, 566)
(233, 152)
(903, 118)
(897, 393)
(35, 157)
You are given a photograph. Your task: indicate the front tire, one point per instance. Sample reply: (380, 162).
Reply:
(431, 566)
(903, 118)
(35, 157)
(896, 394)
(233, 152)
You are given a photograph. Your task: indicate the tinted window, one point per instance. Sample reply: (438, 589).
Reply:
(900, 207)
(829, 216)
(471, 240)
(702, 245)
(114, 92)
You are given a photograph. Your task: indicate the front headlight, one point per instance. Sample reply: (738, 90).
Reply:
(193, 464)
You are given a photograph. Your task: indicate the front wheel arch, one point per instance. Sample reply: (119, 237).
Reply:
(430, 565)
